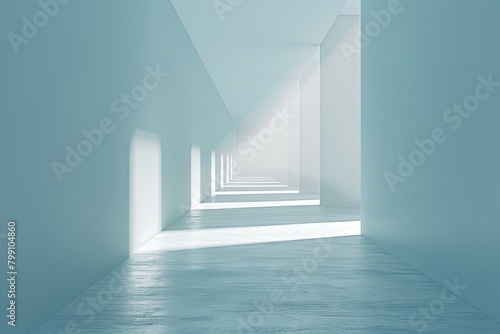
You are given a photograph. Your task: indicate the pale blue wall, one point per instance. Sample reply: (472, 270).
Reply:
(340, 117)
(62, 82)
(444, 219)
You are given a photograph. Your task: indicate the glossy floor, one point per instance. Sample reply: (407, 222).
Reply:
(315, 286)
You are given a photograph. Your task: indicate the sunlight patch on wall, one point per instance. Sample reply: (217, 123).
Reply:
(145, 188)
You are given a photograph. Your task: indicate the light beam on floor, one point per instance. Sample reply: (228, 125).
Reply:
(256, 192)
(263, 204)
(220, 237)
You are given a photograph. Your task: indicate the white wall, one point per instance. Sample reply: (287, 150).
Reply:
(145, 188)
(206, 173)
(340, 117)
(195, 176)
(294, 135)
(310, 127)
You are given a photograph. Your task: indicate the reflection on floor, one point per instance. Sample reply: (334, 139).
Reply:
(332, 285)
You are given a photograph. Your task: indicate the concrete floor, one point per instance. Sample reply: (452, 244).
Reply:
(202, 219)
(329, 285)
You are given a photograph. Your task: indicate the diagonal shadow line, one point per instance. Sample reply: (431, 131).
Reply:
(204, 65)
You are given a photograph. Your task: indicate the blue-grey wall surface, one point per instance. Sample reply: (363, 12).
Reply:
(340, 110)
(69, 77)
(430, 138)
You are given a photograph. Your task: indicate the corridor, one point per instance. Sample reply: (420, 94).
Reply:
(250, 166)
(183, 282)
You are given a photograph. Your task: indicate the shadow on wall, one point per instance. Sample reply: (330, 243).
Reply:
(309, 185)
(145, 188)
(339, 199)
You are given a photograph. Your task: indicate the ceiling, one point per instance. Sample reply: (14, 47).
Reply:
(250, 47)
